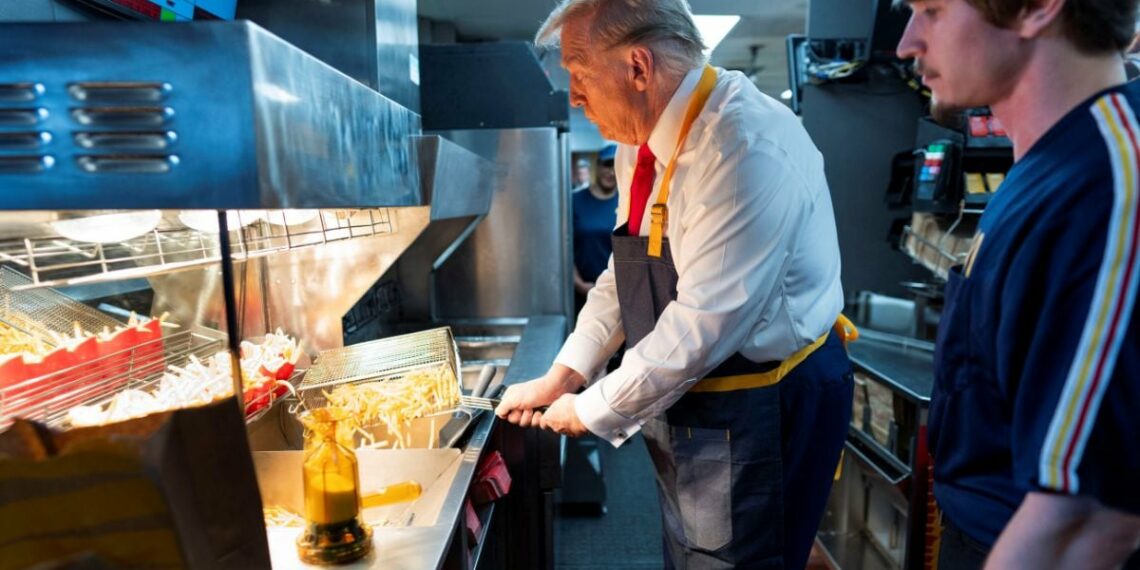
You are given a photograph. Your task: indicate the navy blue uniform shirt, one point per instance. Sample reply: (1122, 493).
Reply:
(1037, 370)
(594, 221)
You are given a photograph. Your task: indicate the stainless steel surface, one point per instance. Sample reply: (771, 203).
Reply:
(846, 532)
(384, 359)
(905, 364)
(456, 182)
(305, 291)
(375, 42)
(485, 376)
(255, 122)
(396, 33)
(516, 263)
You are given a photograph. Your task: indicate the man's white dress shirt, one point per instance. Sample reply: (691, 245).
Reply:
(752, 234)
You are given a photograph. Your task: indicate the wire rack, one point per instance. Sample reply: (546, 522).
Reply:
(47, 398)
(384, 359)
(173, 246)
(39, 312)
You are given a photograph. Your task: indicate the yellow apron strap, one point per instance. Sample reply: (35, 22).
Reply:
(659, 213)
(843, 328)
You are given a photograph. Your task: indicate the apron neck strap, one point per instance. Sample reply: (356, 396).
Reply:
(659, 215)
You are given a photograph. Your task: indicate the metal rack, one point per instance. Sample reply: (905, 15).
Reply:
(40, 312)
(47, 398)
(172, 246)
(383, 359)
(910, 242)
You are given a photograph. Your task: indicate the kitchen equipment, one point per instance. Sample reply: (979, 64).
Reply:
(335, 533)
(383, 359)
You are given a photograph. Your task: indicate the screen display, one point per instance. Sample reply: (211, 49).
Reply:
(169, 10)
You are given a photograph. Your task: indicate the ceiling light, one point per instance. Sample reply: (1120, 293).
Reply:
(713, 29)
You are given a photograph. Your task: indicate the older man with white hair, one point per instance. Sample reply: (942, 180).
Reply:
(723, 285)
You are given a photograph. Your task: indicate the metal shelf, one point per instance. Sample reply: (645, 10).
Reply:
(47, 398)
(56, 261)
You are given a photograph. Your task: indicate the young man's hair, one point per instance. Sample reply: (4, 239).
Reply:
(1094, 26)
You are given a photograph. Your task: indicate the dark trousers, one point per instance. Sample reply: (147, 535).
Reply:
(958, 551)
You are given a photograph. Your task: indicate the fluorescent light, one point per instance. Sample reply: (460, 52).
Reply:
(713, 29)
(786, 94)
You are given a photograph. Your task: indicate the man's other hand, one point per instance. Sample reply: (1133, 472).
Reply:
(561, 417)
(520, 400)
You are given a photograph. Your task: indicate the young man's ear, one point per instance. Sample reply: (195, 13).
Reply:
(641, 67)
(1038, 17)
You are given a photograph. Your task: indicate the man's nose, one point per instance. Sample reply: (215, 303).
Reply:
(910, 45)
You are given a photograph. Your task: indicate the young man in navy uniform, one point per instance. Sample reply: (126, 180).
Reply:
(1035, 418)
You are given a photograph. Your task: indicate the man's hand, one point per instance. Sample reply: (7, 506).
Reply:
(520, 400)
(1062, 531)
(561, 417)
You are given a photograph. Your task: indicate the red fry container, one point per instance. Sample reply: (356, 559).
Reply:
(114, 358)
(149, 353)
(68, 371)
(15, 383)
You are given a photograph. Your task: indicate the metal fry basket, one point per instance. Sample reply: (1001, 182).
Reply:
(379, 360)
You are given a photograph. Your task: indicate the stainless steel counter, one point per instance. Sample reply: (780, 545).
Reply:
(906, 365)
(426, 547)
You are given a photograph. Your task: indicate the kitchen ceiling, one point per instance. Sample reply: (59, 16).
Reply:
(755, 46)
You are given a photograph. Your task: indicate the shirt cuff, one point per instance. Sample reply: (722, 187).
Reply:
(580, 354)
(595, 413)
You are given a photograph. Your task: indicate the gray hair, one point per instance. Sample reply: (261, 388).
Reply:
(664, 26)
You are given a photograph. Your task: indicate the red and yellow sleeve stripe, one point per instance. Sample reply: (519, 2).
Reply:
(1111, 308)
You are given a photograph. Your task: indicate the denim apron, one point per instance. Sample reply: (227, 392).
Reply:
(744, 461)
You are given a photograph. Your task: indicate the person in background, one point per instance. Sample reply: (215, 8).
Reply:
(595, 214)
(1033, 420)
(723, 285)
(582, 176)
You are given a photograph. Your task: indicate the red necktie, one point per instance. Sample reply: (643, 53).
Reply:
(641, 187)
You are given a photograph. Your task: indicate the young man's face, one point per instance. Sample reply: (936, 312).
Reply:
(963, 59)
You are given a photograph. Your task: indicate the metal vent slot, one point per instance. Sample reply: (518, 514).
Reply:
(119, 91)
(153, 140)
(25, 140)
(127, 163)
(20, 92)
(123, 116)
(25, 164)
(22, 117)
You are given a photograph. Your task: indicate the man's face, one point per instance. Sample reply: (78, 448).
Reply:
(606, 177)
(583, 174)
(963, 59)
(599, 82)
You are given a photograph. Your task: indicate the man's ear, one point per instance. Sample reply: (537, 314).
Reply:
(641, 67)
(1038, 17)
